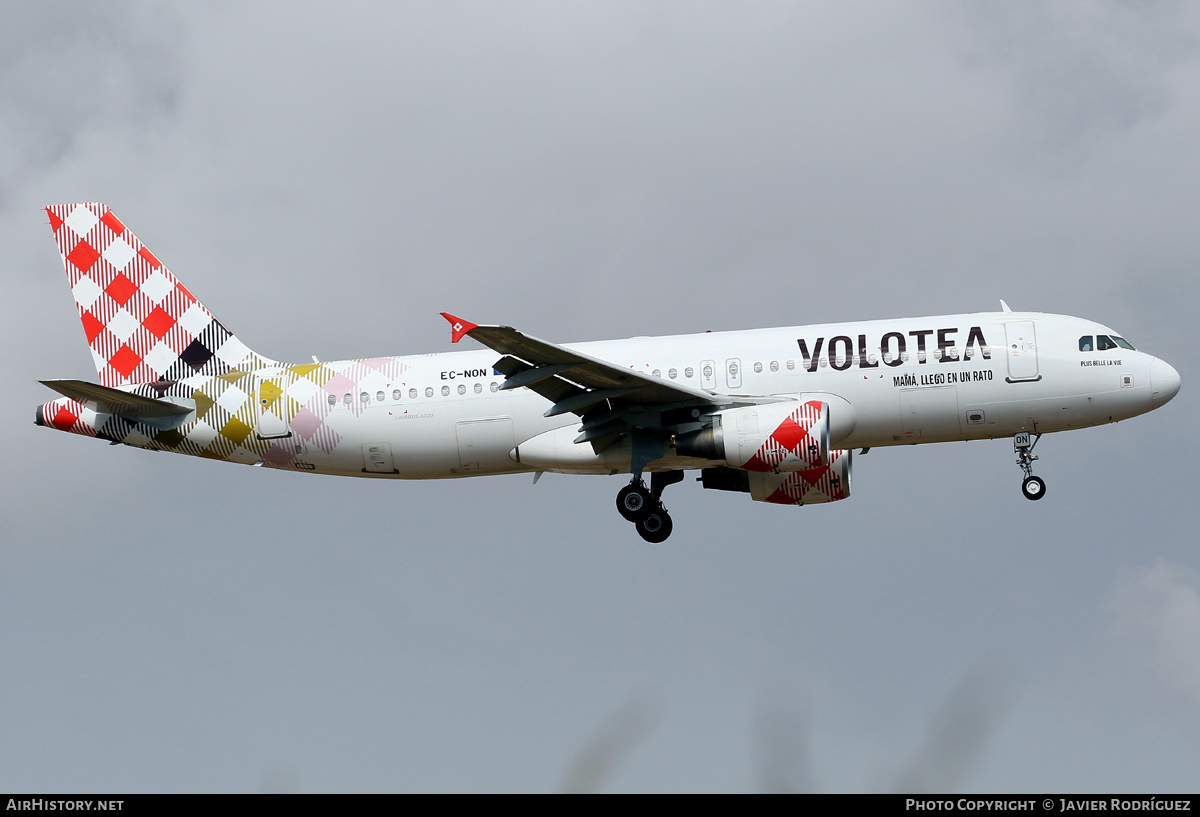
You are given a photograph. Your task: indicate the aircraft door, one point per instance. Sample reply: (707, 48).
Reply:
(733, 373)
(1022, 351)
(271, 401)
(483, 444)
(929, 414)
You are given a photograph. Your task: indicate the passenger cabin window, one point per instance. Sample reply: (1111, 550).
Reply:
(429, 391)
(688, 372)
(774, 365)
(445, 391)
(379, 396)
(1085, 343)
(333, 399)
(758, 368)
(672, 373)
(412, 394)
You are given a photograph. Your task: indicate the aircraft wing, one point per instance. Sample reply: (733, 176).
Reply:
(609, 398)
(114, 401)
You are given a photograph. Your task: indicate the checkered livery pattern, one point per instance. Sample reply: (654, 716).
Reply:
(800, 442)
(827, 483)
(317, 403)
(141, 323)
(66, 415)
(150, 336)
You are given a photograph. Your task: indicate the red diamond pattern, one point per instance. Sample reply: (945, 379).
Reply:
(64, 419)
(125, 361)
(158, 322)
(787, 441)
(149, 257)
(825, 484)
(83, 256)
(121, 289)
(91, 326)
(789, 434)
(113, 223)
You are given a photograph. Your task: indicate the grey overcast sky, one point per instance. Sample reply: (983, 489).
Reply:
(328, 177)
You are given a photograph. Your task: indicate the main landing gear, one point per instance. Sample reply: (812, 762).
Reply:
(1032, 487)
(644, 507)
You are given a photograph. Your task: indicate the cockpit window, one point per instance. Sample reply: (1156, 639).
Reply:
(1103, 343)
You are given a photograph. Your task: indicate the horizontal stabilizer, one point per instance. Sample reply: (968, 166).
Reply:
(113, 401)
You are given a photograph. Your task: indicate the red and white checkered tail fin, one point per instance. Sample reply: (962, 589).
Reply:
(141, 323)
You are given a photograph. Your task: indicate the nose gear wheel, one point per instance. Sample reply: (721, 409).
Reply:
(1032, 487)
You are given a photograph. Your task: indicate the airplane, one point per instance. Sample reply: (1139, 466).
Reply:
(774, 413)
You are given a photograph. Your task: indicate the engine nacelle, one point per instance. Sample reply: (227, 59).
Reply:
(827, 483)
(773, 438)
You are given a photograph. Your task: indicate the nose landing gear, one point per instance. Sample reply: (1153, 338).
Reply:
(644, 507)
(1031, 487)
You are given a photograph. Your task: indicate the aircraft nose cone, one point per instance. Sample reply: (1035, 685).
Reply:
(1164, 382)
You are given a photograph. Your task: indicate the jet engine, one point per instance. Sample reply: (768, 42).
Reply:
(769, 438)
(826, 483)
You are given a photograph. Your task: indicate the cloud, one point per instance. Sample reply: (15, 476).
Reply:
(1079, 72)
(1159, 606)
(959, 733)
(617, 737)
(69, 67)
(782, 751)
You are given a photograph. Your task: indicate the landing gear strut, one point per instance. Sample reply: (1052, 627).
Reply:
(644, 507)
(1032, 487)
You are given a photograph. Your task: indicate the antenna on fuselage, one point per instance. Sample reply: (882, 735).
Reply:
(1003, 306)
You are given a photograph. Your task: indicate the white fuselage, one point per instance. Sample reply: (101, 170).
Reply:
(959, 377)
